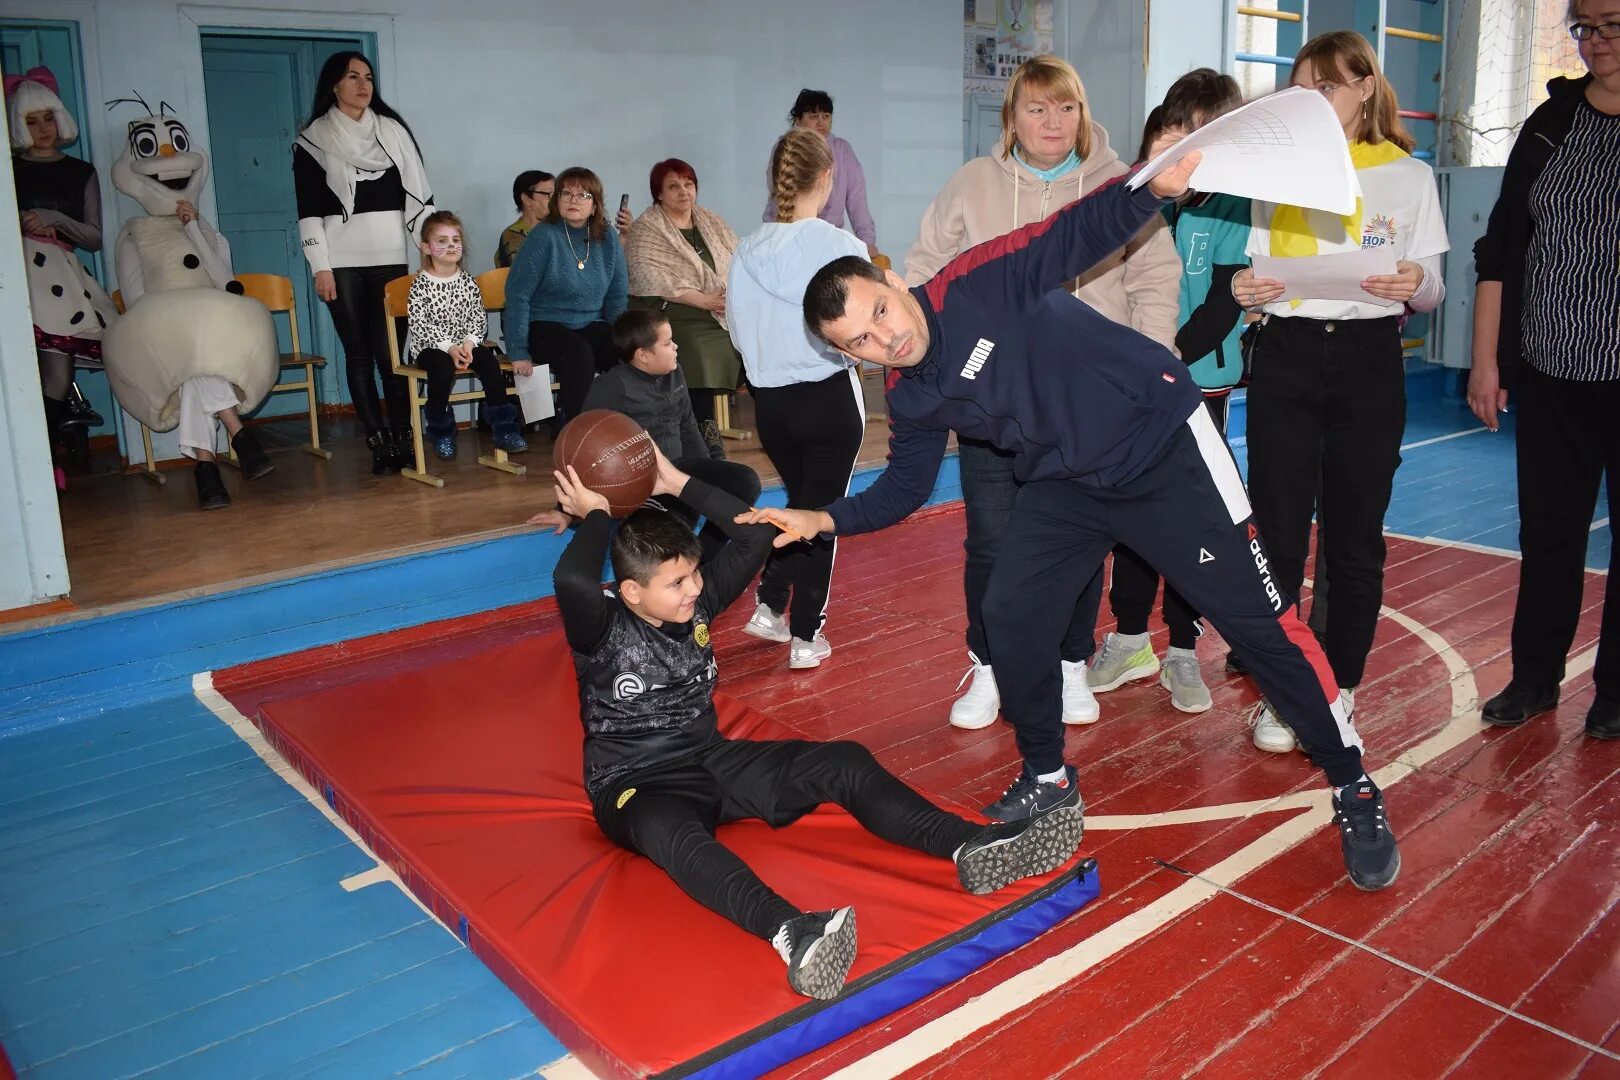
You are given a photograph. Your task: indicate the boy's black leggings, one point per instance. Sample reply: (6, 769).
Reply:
(669, 812)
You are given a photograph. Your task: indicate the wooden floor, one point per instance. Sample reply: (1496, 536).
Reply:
(130, 540)
(170, 906)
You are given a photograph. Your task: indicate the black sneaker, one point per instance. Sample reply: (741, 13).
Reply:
(819, 948)
(1028, 797)
(1007, 851)
(1603, 719)
(1235, 664)
(1518, 702)
(1370, 854)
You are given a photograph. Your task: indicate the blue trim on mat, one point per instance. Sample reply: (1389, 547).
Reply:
(901, 989)
(90, 665)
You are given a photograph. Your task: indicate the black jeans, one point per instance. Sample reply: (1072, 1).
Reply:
(1134, 584)
(732, 477)
(672, 809)
(989, 491)
(362, 327)
(1188, 516)
(812, 434)
(1568, 442)
(1327, 403)
(442, 376)
(575, 357)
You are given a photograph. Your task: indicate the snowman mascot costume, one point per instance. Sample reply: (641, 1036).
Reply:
(189, 351)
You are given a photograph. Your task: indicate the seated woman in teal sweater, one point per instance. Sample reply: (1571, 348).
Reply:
(566, 287)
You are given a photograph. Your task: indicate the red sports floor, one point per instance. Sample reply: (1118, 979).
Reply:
(1510, 841)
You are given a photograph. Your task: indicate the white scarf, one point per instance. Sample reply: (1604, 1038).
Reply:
(345, 147)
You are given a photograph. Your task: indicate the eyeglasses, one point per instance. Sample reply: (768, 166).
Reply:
(540, 193)
(1584, 31)
(575, 196)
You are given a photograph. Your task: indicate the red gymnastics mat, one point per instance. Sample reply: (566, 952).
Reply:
(465, 778)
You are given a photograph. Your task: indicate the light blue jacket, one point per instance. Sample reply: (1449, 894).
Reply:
(765, 301)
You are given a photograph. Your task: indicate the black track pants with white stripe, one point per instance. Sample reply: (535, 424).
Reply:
(1189, 517)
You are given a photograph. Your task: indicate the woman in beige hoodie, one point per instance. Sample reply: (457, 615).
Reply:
(1051, 154)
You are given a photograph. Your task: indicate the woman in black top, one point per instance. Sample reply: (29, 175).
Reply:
(1545, 328)
(361, 192)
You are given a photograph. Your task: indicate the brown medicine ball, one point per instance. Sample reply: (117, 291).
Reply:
(613, 456)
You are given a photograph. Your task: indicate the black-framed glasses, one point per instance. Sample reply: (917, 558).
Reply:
(1583, 31)
(538, 193)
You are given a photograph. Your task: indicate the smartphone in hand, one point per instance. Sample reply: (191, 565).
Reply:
(624, 202)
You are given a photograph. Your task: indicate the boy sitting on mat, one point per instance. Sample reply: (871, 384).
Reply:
(659, 774)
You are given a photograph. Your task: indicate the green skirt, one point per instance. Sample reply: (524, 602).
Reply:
(707, 357)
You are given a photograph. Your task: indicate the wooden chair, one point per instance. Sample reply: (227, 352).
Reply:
(396, 297)
(149, 469)
(276, 293)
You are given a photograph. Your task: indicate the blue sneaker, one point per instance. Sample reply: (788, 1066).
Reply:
(503, 425)
(1029, 797)
(1370, 855)
(440, 432)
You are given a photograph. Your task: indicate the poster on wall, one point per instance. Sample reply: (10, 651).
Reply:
(998, 35)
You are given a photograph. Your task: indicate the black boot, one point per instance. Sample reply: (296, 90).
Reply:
(211, 493)
(78, 412)
(250, 455)
(382, 454)
(1518, 702)
(54, 412)
(404, 448)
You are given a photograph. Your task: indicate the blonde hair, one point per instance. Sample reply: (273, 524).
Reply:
(433, 221)
(797, 162)
(1345, 56)
(1051, 77)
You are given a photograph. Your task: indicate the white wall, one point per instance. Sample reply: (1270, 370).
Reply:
(492, 87)
(1103, 39)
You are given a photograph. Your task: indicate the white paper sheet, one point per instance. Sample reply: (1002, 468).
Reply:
(1285, 148)
(1329, 277)
(534, 392)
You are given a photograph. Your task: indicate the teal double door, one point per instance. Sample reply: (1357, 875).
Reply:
(259, 87)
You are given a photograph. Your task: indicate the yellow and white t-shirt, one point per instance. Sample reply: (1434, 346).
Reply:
(1399, 206)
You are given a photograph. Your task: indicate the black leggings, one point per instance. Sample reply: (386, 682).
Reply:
(442, 376)
(812, 434)
(362, 327)
(575, 357)
(732, 477)
(669, 812)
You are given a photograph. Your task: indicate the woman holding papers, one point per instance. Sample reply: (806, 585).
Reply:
(1327, 400)
(1545, 328)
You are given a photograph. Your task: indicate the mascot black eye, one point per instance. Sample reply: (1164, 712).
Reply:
(178, 137)
(143, 141)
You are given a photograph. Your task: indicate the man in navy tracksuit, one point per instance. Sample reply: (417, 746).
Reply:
(1112, 444)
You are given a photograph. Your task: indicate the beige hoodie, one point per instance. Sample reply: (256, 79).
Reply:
(1138, 286)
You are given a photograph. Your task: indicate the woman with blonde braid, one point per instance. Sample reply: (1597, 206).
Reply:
(807, 397)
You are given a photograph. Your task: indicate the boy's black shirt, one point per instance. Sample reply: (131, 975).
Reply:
(646, 693)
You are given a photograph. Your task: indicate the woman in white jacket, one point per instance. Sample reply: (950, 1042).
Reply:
(1051, 154)
(808, 406)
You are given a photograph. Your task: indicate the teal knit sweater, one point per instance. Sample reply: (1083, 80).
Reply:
(546, 283)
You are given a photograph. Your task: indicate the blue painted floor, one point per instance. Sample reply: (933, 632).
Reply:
(170, 906)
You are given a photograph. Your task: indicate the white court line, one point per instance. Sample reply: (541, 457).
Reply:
(1021, 990)
(1600, 523)
(1443, 438)
(202, 684)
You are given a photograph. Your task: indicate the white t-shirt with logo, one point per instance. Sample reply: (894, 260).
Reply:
(1400, 209)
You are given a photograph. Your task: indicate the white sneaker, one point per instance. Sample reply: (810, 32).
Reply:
(808, 654)
(767, 624)
(1079, 706)
(978, 707)
(1270, 733)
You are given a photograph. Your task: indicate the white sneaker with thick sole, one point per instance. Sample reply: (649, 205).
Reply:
(768, 625)
(1079, 704)
(978, 707)
(808, 654)
(1270, 733)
